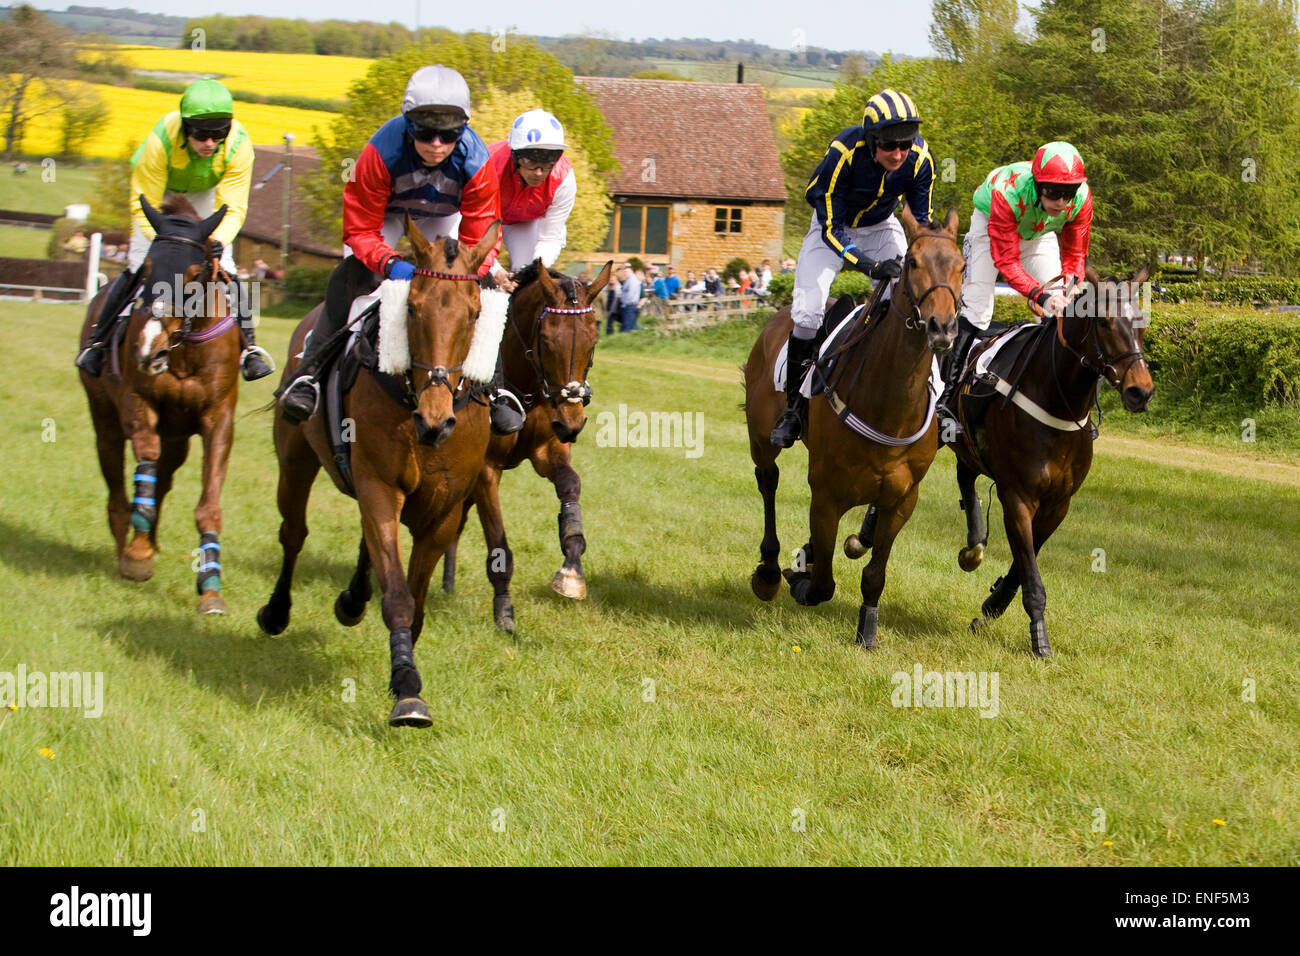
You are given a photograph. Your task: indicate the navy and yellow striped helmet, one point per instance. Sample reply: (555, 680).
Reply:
(889, 108)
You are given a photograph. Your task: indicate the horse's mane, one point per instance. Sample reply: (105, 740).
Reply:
(178, 205)
(532, 271)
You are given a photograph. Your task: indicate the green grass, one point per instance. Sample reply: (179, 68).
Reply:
(24, 242)
(219, 745)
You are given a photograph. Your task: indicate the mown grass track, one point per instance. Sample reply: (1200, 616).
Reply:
(219, 745)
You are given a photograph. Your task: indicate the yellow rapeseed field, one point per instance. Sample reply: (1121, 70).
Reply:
(269, 74)
(133, 113)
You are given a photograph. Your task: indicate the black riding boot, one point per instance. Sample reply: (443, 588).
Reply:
(298, 399)
(789, 426)
(946, 408)
(506, 412)
(254, 362)
(91, 358)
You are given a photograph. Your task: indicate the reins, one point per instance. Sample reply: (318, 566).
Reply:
(575, 390)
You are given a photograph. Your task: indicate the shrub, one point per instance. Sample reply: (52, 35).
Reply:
(304, 282)
(733, 269)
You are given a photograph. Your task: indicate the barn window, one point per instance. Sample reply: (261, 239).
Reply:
(726, 219)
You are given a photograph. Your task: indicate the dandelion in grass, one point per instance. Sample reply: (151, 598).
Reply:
(46, 752)
(795, 648)
(1220, 823)
(1107, 842)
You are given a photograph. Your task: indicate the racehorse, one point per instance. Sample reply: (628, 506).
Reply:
(415, 457)
(174, 374)
(1035, 442)
(889, 397)
(546, 353)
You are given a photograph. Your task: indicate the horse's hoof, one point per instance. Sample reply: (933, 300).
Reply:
(1038, 639)
(506, 621)
(410, 712)
(211, 603)
(348, 612)
(134, 569)
(853, 547)
(503, 612)
(801, 589)
(971, 558)
(269, 623)
(978, 624)
(868, 621)
(570, 584)
(765, 585)
(1042, 650)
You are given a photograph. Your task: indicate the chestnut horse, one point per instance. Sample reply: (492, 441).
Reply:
(889, 392)
(413, 462)
(174, 375)
(1037, 445)
(546, 353)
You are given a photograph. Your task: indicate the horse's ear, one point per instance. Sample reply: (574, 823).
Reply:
(209, 225)
(1091, 274)
(1142, 275)
(485, 245)
(910, 228)
(544, 275)
(951, 222)
(423, 248)
(602, 279)
(153, 215)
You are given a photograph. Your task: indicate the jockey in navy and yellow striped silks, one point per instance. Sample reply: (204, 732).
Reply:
(850, 189)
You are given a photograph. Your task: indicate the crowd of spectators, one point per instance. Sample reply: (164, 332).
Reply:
(632, 292)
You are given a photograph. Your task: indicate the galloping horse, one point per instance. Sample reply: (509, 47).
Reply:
(414, 460)
(174, 374)
(888, 398)
(546, 353)
(1036, 444)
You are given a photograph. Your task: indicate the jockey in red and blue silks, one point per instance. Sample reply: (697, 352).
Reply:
(427, 163)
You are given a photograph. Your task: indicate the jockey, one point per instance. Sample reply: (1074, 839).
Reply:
(427, 162)
(1018, 212)
(201, 152)
(854, 192)
(537, 191)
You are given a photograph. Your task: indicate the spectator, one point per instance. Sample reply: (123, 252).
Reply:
(764, 277)
(629, 301)
(745, 281)
(713, 284)
(671, 282)
(659, 284)
(77, 243)
(611, 295)
(787, 266)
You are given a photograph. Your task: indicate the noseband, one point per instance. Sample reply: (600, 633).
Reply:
(913, 319)
(1099, 364)
(575, 391)
(439, 375)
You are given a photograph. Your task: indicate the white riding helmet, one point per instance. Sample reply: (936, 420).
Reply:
(536, 129)
(436, 88)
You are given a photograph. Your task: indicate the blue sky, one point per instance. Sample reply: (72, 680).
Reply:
(874, 25)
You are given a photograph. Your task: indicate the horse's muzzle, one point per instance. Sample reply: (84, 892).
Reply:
(565, 433)
(940, 337)
(430, 436)
(1136, 398)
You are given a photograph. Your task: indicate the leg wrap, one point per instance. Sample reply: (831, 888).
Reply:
(144, 506)
(402, 650)
(209, 569)
(570, 519)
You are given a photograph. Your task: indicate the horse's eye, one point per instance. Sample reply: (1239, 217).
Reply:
(911, 262)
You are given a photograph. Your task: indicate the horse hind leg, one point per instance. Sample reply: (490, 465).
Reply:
(110, 444)
(872, 583)
(350, 605)
(298, 468)
(970, 557)
(765, 582)
(859, 543)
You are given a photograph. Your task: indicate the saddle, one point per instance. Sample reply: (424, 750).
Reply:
(999, 352)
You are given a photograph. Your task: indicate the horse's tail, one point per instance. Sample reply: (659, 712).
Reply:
(743, 384)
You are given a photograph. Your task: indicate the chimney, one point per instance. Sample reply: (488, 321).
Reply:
(740, 73)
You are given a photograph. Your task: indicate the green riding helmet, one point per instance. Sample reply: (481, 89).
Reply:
(206, 99)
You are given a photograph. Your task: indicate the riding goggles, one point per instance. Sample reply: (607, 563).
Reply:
(537, 159)
(423, 133)
(201, 132)
(1059, 191)
(894, 145)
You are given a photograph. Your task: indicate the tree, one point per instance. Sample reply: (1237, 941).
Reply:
(972, 29)
(83, 112)
(493, 67)
(32, 48)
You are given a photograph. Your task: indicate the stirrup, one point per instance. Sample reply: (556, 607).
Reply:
(502, 401)
(259, 352)
(293, 414)
(91, 359)
(778, 437)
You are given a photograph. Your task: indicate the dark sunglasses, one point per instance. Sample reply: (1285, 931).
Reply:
(217, 133)
(1059, 191)
(427, 134)
(895, 145)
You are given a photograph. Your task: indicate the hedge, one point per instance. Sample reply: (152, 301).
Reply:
(1237, 290)
(303, 282)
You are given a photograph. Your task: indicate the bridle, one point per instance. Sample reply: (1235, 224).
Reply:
(439, 375)
(185, 334)
(1100, 364)
(913, 320)
(575, 390)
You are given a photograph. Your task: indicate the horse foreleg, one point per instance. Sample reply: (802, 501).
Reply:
(217, 428)
(381, 506)
(449, 558)
(859, 543)
(977, 536)
(298, 468)
(110, 443)
(350, 605)
(1019, 521)
(765, 582)
(817, 583)
(500, 560)
(141, 424)
(889, 523)
(569, 581)
(427, 548)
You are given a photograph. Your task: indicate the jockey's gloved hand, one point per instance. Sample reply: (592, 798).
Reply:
(888, 269)
(215, 248)
(400, 269)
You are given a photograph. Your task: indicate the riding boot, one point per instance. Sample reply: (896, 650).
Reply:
(91, 358)
(954, 362)
(788, 428)
(298, 398)
(254, 362)
(507, 413)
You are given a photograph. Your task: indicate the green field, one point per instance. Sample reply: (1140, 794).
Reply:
(672, 717)
(23, 242)
(47, 189)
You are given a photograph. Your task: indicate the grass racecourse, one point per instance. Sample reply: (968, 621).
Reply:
(671, 718)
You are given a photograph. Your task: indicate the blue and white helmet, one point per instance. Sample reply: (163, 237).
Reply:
(536, 129)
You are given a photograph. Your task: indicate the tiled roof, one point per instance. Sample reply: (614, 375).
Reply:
(690, 140)
(263, 221)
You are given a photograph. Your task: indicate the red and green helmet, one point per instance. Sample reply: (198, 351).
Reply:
(1058, 162)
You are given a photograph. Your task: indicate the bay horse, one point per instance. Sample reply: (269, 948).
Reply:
(1037, 444)
(175, 374)
(546, 353)
(889, 396)
(414, 461)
